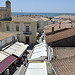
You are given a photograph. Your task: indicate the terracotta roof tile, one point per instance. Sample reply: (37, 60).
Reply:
(64, 52)
(60, 35)
(48, 28)
(64, 64)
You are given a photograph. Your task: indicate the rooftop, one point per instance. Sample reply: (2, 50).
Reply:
(48, 28)
(4, 35)
(39, 18)
(64, 52)
(66, 17)
(22, 19)
(65, 61)
(65, 33)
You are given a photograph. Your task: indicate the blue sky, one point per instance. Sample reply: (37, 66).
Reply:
(52, 6)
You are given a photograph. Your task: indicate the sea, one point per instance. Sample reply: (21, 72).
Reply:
(45, 14)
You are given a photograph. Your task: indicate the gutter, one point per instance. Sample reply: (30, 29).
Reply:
(52, 68)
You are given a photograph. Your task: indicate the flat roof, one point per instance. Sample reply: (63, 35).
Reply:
(4, 35)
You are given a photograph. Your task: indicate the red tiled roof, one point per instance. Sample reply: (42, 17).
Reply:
(63, 52)
(48, 28)
(64, 66)
(60, 35)
(64, 63)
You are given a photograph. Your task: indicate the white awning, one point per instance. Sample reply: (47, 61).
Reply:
(20, 51)
(3, 56)
(39, 53)
(17, 49)
(36, 69)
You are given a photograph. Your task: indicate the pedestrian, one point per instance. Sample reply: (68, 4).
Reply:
(26, 52)
(24, 56)
(25, 62)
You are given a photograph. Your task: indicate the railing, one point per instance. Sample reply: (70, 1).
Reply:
(27, 33)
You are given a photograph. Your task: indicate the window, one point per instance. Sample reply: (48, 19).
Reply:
(8, 28)
(27, 28)
(13, 38)
(17, 28)
(7, 6)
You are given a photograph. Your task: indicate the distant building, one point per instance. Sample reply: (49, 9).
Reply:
(56, 26)
(41, 22)
(5, 12)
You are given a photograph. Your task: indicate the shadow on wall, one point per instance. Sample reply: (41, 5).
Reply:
(67, 42)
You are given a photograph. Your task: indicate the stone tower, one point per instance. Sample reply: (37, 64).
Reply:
(8, 7)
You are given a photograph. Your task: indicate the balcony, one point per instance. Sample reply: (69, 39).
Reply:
(27, 33)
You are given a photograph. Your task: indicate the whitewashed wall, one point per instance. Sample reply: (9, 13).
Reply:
(9, 40)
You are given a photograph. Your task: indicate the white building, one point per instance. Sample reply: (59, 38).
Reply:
(41, 22)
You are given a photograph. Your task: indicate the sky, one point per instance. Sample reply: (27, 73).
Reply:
(45, 6)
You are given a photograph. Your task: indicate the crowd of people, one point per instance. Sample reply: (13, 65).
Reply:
(23, 59)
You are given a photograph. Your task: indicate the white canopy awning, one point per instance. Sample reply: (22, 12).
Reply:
(20, 51)
(17, 49)
(39, 53)
(36, 69)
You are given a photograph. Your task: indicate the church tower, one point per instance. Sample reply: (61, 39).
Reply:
(8, 6)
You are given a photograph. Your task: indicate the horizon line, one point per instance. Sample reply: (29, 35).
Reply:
(41, 12)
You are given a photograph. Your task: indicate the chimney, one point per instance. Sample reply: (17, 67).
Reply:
(52, 29)
(60, 25)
